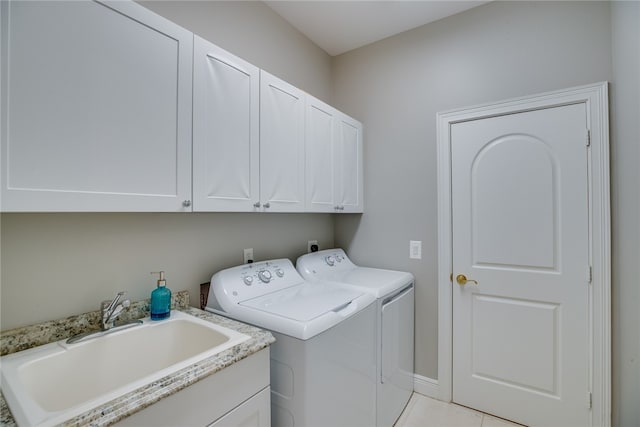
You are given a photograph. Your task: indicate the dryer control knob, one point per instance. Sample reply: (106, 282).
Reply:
(264, 275)
(279, 272)
(330, 260)
(339, 258)
(248, 280)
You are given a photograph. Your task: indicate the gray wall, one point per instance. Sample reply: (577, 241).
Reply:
(57, 265)
(497, 51)
(257, 34)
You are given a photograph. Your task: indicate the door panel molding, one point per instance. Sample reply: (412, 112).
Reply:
(595, 99)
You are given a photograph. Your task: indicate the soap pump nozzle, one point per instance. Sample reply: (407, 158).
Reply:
(161, 280)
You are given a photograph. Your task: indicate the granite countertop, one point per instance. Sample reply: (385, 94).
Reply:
(117, 409)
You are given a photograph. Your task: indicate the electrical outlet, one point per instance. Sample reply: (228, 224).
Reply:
(248, 255)
(415, 249)
(310, 244)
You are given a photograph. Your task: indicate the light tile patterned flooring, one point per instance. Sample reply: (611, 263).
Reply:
(422, 411)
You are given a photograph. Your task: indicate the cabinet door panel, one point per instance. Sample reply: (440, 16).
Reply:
(255, 412)
(349, 155)
(281, 145)
(319, 153)
(97, 108)
(225, 130)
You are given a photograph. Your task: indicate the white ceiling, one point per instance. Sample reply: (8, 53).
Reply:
(338, 26)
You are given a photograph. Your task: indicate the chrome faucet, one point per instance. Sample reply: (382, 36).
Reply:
(112, 309)
(109, 310)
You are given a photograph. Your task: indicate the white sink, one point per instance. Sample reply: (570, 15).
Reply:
(52, 383)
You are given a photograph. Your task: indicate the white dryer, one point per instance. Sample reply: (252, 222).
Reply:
(323, 367)
(394, 292)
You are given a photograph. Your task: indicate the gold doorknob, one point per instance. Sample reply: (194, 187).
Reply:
(462, 280)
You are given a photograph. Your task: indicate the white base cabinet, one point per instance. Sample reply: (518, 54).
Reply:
(255, 412)
(236, 396)
(96, 108)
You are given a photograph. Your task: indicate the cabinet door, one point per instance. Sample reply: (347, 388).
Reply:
(225, 130)
(349, 164)
(281, 145)
(255, 412)
(96, 108)
(320, 134)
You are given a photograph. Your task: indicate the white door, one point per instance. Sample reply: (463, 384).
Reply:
(226, 97)
(281, 145)
(520, 229)
(349, 186)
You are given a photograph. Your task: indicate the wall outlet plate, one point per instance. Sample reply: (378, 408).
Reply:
(248, 256)
(311, 243)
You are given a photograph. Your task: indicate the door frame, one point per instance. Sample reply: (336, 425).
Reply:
(595, 97)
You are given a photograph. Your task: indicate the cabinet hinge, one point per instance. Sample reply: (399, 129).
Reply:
(590, 400)
(589, 274)
(588, 138)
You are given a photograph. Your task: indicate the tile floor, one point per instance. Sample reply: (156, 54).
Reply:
(423, 411)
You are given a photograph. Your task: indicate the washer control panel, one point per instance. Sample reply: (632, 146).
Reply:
(318, 264)
(334, 259)
(249, 281)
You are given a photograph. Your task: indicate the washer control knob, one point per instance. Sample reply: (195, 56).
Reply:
(248, 280)
(339, 258)
(264, 275)
(330, 260)
(279, 272)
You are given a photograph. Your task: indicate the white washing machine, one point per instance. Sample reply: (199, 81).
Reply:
(394, 292)
(323, 366)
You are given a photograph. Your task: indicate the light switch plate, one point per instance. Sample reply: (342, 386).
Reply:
(415, 249)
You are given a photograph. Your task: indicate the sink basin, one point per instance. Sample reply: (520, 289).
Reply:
(49, 384)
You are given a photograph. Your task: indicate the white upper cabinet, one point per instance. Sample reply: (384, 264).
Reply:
(226, 99)
(320, 153)
(107, 107)
(96, 108)
(281, 145)
(333, 145)
(349, 174)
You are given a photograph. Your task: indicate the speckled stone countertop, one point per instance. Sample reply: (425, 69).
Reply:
(117, 409)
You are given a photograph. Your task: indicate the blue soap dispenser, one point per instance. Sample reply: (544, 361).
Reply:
(160, 299)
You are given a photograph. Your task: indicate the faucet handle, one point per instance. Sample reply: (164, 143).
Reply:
(111, 310)
(115, 301)
(116, 311)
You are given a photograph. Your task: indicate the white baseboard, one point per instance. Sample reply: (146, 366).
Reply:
(426, 386)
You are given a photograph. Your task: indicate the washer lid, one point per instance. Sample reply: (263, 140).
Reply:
(304, 302)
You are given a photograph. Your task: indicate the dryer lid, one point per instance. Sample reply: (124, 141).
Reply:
(373, 278)
(334, 265)
(304, 302)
